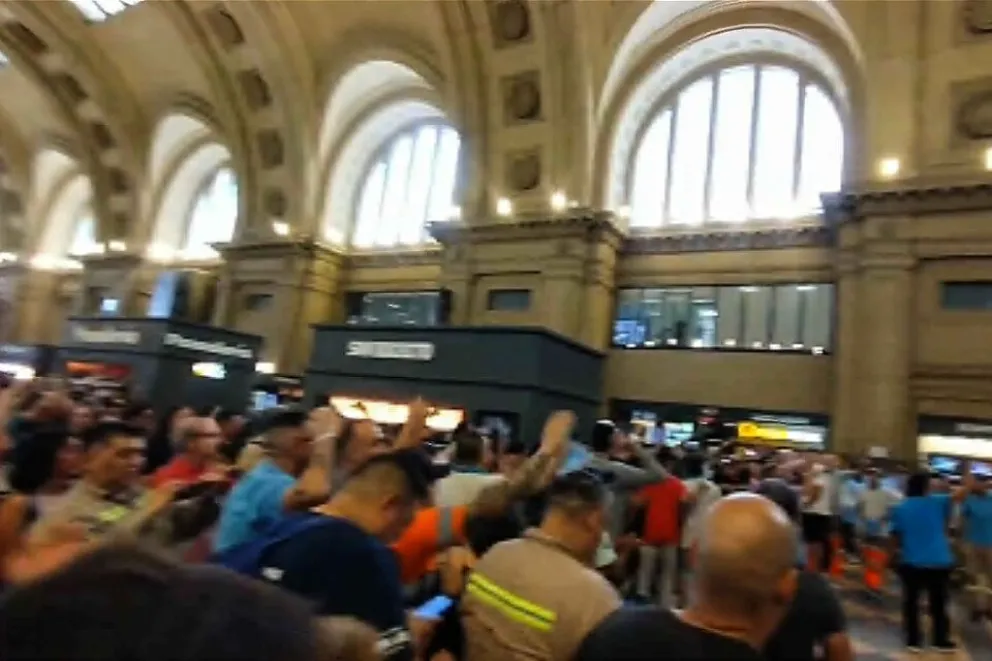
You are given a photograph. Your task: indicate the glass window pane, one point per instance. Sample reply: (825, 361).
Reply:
(756, 307)
(822, 156)
(692, 130)
(445, 176)
(775, 143)
(703, 318)
(817, 317)
(728, 306)
(394, 200)
(788, 309)
(732, 145)
(370, 207)
(654, 316)
(628, 329)
(213, 217)
(647, 204)
(678, 315)
(84, 236)
(412, 229)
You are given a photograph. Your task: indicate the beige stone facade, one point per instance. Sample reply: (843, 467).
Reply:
(127, 120)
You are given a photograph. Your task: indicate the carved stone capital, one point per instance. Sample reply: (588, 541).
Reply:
(912, 198)
(722, 241)
(395, 258)
(587, 223)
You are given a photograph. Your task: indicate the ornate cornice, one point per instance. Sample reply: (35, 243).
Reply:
(913, 198)
(396, 258)
(587, 222)
(806, 236)
(269, 249)
(111, 261)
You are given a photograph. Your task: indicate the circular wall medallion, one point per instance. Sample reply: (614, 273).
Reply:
(974, 116)
(275, 203)
(978, 15)
(512, 20)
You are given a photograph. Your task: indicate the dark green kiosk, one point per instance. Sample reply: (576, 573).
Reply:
(507, 379)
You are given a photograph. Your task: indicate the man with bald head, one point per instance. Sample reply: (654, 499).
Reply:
(743, 583)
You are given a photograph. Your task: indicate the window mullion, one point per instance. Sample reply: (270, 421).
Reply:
(670, 158)
(382, 197)
(797, 158)
(431, 182)
(711, 147)
(752, 156)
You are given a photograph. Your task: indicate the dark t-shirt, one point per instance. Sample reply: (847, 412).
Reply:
(655, 634)
(345, 571)
(815, 614)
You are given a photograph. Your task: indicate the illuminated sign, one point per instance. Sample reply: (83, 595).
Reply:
(85, 335)
(210, 370)
(388, 413)
(218, 348)
(422, 351)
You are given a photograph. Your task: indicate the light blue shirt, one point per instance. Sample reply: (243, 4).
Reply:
(921, 523)
(977, 514)
(255, 504)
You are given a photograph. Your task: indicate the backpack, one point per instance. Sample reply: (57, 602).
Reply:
(249, 558)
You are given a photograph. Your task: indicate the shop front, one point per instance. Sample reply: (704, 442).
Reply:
(25, 361)
(947, 444)
(166, 362)
(658, 423)
(506, 380)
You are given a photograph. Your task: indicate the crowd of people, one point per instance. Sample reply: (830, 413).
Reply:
(298, 534)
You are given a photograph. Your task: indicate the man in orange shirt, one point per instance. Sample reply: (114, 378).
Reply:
(663, 504)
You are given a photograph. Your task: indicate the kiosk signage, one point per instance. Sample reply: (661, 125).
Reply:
(391, 350)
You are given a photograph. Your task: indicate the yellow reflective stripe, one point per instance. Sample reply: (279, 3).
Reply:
(511, 605)
(113, 514)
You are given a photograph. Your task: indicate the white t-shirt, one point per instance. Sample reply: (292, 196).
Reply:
(706, 493)
(875, 503)
(823, 503)
(462, 488)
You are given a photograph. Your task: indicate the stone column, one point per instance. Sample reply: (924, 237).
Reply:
(885, 349)
(844, 424)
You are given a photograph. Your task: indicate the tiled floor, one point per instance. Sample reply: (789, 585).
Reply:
(875, 628)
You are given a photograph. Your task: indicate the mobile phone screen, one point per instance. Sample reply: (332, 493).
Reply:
(434, 609)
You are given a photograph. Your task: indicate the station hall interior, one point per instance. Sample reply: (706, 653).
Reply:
(774, 210)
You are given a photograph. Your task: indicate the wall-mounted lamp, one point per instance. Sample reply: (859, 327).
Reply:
(116, 246)
(889, 167)
(558, 201)
(280, 228)
(988, 158)
(265, 368)
(504, 207)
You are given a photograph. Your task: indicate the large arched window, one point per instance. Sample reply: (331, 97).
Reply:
(750, 142)
(411, 181)
(101, 10)
(213, 216)
(83, 240)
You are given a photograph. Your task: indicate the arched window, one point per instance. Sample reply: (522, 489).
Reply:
(747, 142)
(410, 182)
(213, 216)
(84, 236)
(101, 10)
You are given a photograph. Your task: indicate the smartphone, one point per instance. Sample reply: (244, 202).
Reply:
(578, 457)
(434, 609)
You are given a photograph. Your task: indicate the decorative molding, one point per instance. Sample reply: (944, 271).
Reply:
(396, 258)
(587, 223)
(523, 169)
(273, 249)
(522, 98)
(973, 116)
(977, 16)
(510, 22)
(807, 236)
(927, 198)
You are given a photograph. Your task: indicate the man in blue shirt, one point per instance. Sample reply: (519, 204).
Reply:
(341, 561)
(919, 525)
(976, 512)
(293, 477)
